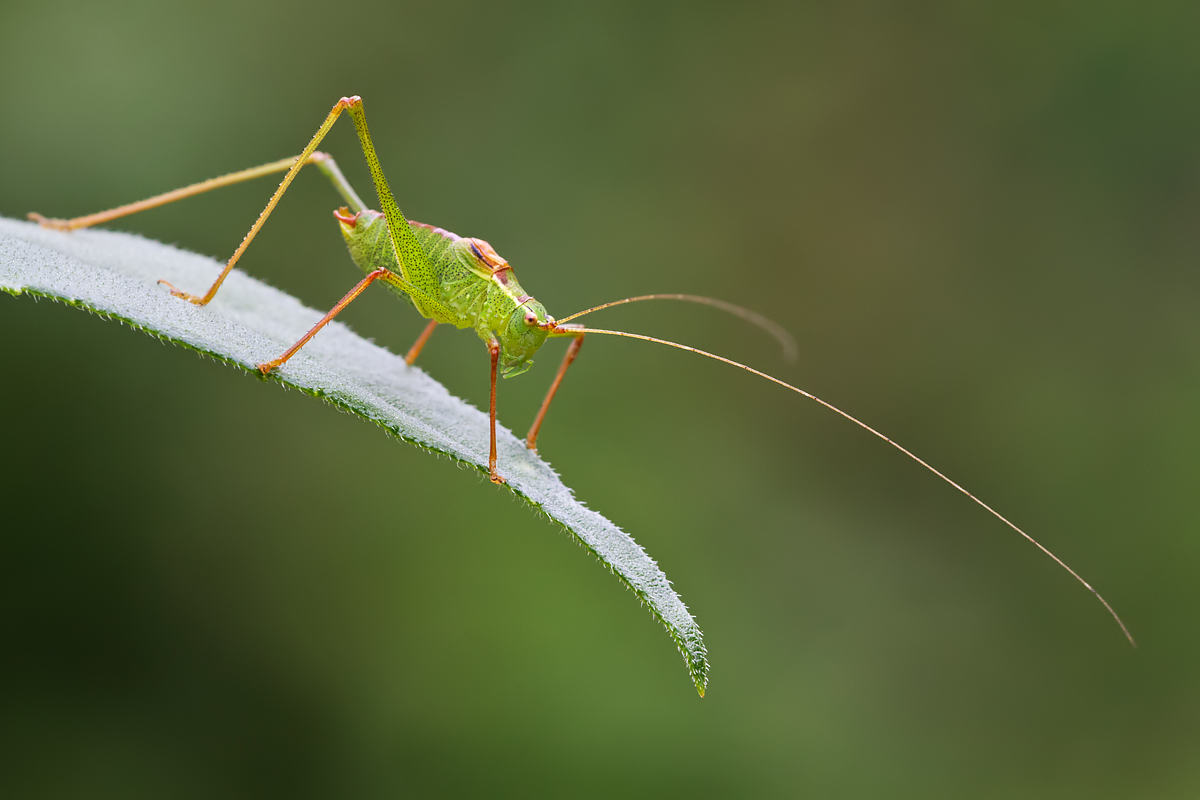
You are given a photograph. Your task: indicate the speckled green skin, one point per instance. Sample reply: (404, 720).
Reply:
(472, 286)
(454, 280)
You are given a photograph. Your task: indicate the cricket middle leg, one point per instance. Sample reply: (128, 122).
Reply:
(411, 356)
(572, 351)
(494, 351)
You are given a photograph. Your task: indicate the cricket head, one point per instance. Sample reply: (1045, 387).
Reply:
(524, 332)
(518, 322)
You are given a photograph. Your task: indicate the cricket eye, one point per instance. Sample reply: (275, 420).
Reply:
(530, 318)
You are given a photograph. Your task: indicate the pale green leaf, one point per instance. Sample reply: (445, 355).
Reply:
(115, 275)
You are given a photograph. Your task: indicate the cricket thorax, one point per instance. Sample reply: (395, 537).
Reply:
(473, 282)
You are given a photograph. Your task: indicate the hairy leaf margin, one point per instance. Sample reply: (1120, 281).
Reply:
(115, 276)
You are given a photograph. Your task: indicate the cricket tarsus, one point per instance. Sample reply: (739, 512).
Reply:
(894, 444)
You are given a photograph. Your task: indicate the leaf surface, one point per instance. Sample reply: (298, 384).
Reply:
(115, 275)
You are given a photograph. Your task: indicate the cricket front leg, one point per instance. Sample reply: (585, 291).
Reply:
(572, 351)
(494, 351)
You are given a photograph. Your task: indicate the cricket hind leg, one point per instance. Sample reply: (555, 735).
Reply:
(329, 169)
(323, 162)
(291, 165)
(572, 351)
(416, 276)
(300, 161)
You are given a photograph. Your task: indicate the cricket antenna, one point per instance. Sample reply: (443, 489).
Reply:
(869, 429)
(776, 330)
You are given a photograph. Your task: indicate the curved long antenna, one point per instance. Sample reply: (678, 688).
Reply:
(869, 429)
(790, 351)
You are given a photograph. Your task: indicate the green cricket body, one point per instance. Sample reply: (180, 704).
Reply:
(463, 282)
(473, 286)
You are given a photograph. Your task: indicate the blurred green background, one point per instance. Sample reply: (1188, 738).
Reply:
(979, 220)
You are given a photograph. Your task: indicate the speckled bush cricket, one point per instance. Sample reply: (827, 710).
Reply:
(461, 281)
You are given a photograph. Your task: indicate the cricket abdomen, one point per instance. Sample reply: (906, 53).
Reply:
(472, 280)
